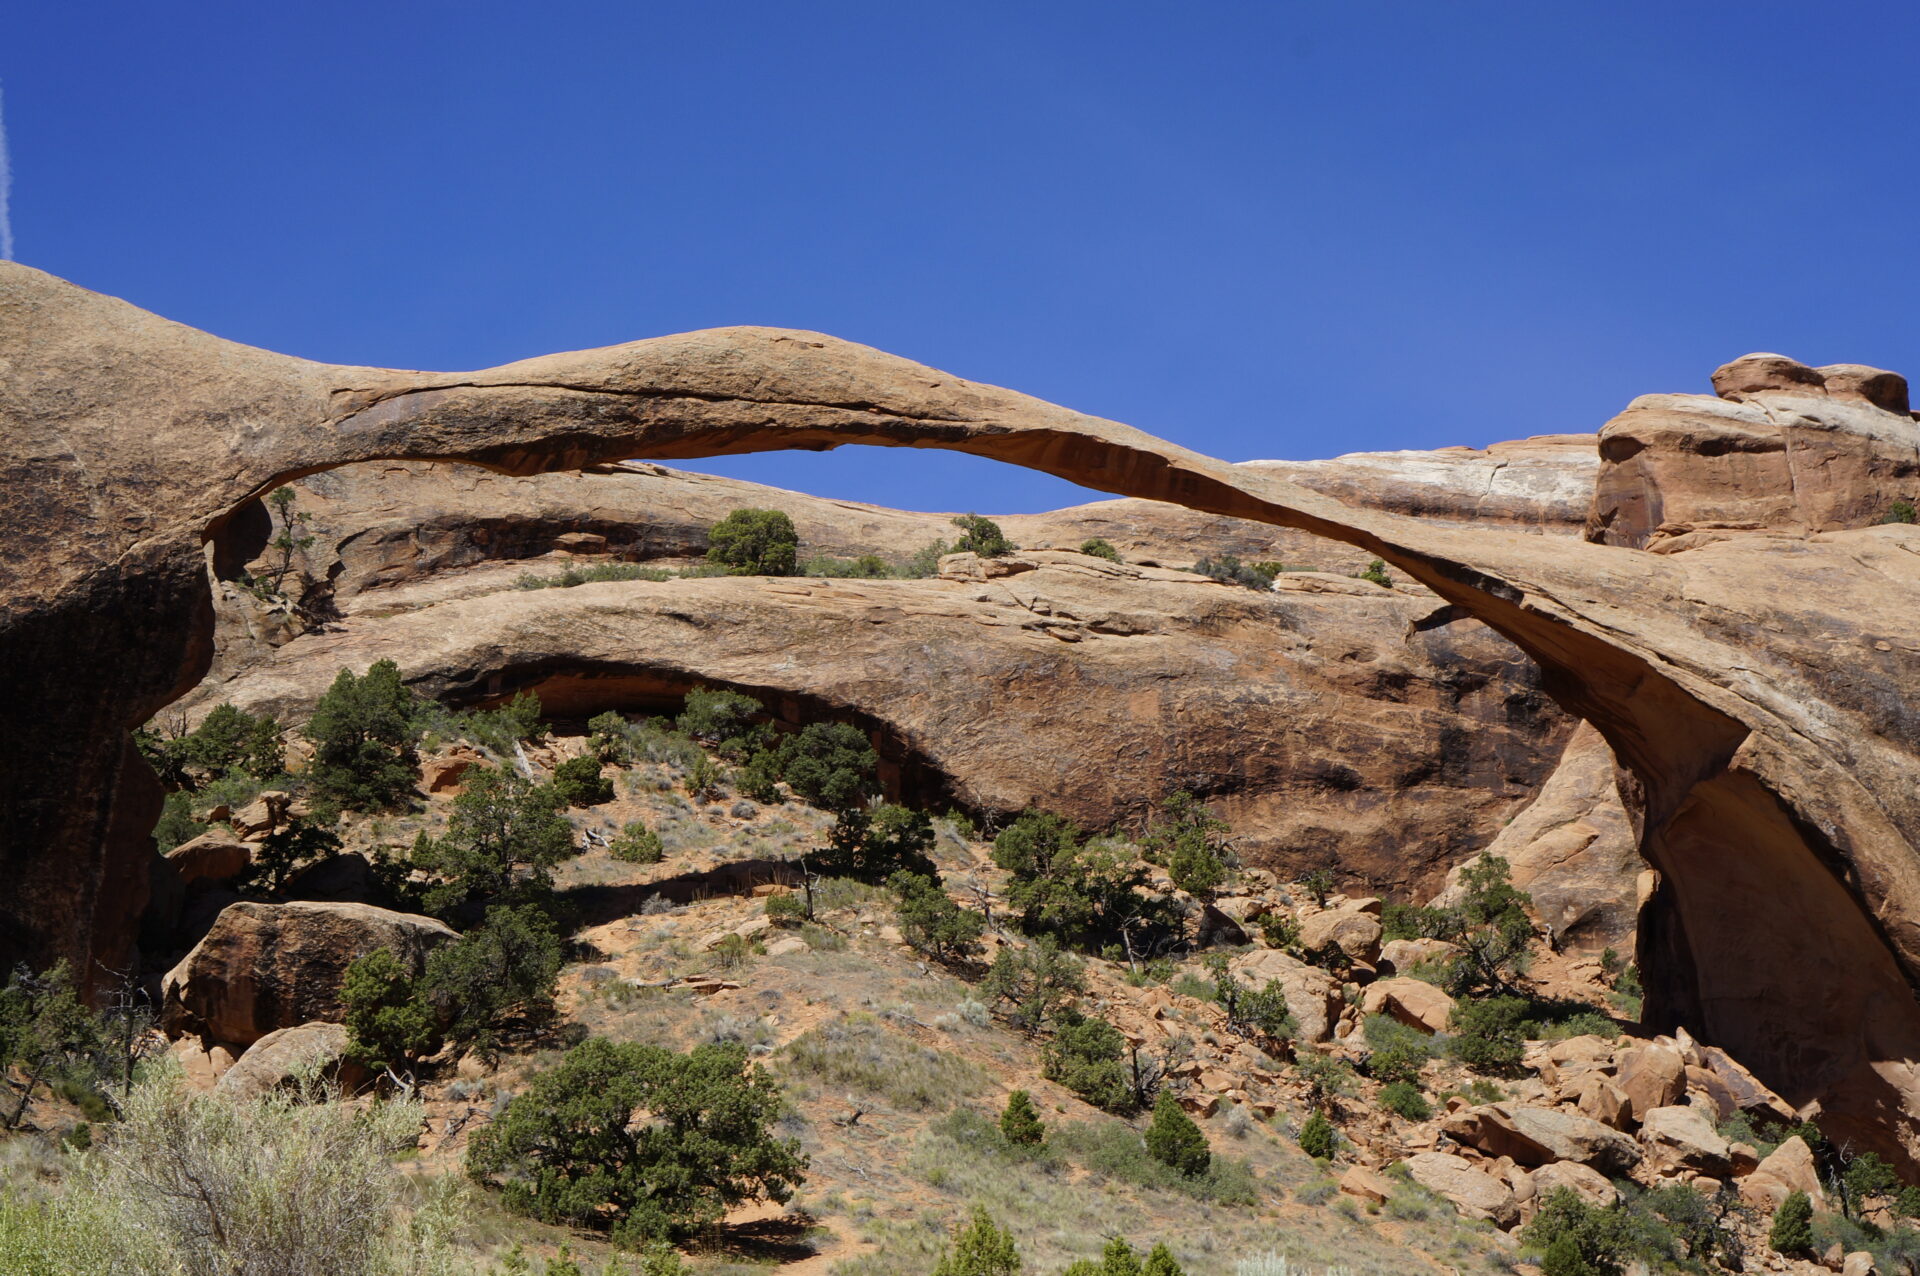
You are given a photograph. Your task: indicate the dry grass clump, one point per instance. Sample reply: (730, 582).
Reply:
(860, 1053)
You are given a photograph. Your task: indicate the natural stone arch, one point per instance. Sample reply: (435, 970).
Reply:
(1766, 772)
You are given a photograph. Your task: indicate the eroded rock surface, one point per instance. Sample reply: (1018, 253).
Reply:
(1331, 721)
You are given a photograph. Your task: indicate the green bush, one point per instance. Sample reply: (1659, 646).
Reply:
(292, 847)
(1037, 982)
(504, 836)
(1191, 842)
(925, 561)
(1489, 926)
(500, 972)
(1260, 1014)
(1281, 930)
(1575, 1238)
(788, 908)
(1078, 892)
(1901, 511)
(865, 567)
(1175, 1141)
(754, 542)
(930, 921)
(609, 736)
(1229, 568)
(1490, 1036)
(389, 1024)
(363, 732)
(1120, 1259)
(636, 844)
(230, 740)
(567, 1150)
(981, 536)
(873, 844)
(45, 1030)
(1396, 1051)
(498, 729)
(1088, 1056)
(1020, 1123)
(724, 720)
(980, 1248)
(176, 824)
(1318, 1138)
(1403, 1099)
(578, 782)
(1376, 573)
(1098, 548)
(1325, 1077)
(830, 764)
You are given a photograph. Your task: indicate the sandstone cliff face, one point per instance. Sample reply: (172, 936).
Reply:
(1754, 687)
(1337, 723)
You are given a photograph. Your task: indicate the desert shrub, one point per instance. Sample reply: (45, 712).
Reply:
(1120, 1259)
(567, 1150)
(500, 972)
(363, 732)
(1376, 573)
(981, 536)
(1489, 925)
(754, 542)
(286, 1184)
(388, 1023)
(229, 740)
(1901, 511)
(873, 844)
(788, 908)
(1396, 1051)
(862, 1054)
(595, 573)
(979, 1248)
(503, 838)
(176, 823)
(724, 720)
(1326, 1078)
(829, 764)
(1191, 842)
(1259, 1014)
(1098, 548)
(1490, 1035)
(292, 847)
(1174, 1140)
(578, 782)
(930, 921)
(1020, 1122)
(1318, 1139)
(1115, 1150)
(1229, 568)
(635, 843)
(1575, 1238)
(1280, 930)
(1088, 1056)
(498, 729)
(610, 738)
(1080, 892)
(1403, 1099)
(925, 561)
(1036, 982)
(45, 1031)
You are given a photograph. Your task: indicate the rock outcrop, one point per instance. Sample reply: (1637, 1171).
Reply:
(264, 967)
(1784, 448)
(1334, 723)
(1756, 687)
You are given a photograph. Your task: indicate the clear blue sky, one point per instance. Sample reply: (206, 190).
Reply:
(1260, 229)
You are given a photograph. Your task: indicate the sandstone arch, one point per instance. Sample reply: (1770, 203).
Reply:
(1754, 687)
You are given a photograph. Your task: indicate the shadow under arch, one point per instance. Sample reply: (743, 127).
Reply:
(176, 430)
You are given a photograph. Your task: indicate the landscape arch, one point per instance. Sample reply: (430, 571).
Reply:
(1770, 781)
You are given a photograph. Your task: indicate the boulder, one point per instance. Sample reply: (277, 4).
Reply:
(1472, 1192)
(1400, 956)
(214, 856)
(1412, 1001)
(1602, 1100)
(1584, 1182)
(1788, 1168)
(1353, 928)
(1746, 1091)
(285, 1053)
(1536, 1136)
(1313, 996)
(1681, 1137)
(269, 966)
(261, 816)
(1858, 1263)
(580, 543)
(1651, 1076)
(1368, 1185)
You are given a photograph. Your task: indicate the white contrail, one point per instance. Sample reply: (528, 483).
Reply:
(6, 188)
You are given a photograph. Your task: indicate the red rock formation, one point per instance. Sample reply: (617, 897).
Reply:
(1756, 688)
